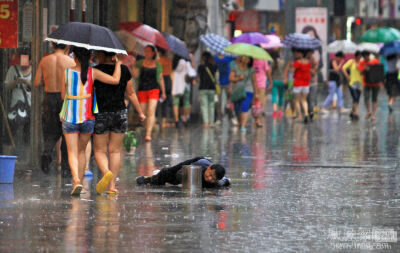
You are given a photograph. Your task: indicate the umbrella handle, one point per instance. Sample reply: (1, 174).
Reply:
(7, 125)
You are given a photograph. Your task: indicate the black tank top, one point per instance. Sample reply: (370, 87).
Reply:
(148, 79)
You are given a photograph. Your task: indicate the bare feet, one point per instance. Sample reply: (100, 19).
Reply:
(147, 138)
(368, 115)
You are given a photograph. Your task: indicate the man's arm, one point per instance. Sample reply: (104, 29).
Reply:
(177, 167)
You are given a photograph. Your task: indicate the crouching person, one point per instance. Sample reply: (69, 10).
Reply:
(213, 175)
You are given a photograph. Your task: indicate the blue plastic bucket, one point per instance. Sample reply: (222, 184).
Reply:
(7, 166)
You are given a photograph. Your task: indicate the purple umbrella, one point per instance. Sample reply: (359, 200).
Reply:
(250, 38)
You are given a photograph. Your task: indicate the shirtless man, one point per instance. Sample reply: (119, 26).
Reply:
(50, 72)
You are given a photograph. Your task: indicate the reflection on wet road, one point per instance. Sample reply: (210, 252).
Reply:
(293, 184)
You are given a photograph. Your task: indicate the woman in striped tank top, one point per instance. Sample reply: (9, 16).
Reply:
(77, 113)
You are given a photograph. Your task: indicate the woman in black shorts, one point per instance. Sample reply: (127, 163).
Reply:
(112, 120)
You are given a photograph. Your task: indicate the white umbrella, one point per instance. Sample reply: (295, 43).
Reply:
(371, 47)
(346, 46)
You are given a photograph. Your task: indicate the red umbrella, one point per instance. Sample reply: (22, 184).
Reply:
(145, 32)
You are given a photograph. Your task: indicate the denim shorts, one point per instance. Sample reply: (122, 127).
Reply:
(116, 122)
(86, 127)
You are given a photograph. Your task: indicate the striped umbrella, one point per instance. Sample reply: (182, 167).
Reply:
(215, 43)
(145, 32)
(301, 41)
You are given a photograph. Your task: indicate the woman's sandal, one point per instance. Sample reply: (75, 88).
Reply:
(104, 182)
(77, 190)
(115, 191)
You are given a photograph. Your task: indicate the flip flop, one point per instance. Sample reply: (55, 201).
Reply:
(77, 190)
(89, 173)
(113, 192)
(104, 182)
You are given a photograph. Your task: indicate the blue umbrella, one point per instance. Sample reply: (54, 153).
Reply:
(301, 41)
(177, 46)
(215, 43)
(390, 48)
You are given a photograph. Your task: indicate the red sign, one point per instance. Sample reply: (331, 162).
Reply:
(8, 23)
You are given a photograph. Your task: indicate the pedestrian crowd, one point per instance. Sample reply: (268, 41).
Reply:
(96, 89)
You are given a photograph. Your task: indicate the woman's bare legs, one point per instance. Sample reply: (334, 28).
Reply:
(100, 151)
(150, 119)
(76, 146)
(114, 151)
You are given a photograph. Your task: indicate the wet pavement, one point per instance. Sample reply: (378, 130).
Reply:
(330, 186)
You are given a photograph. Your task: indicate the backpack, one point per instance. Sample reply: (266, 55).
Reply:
(19, 106)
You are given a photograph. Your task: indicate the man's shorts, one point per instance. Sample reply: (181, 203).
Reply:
(83, 128)
(182, 99)
(116, 122)
(145, 95)
(301, 89)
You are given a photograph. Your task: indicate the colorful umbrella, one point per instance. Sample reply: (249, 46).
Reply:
(87, 35)
(382, 34)
(177, 46)
(301, 41)
(250, 38)
(274, 42)
(390, 48)
(146, 33)
(370, 47)
(215, 43)
(346, 46)
(248, 50)
(131, 43)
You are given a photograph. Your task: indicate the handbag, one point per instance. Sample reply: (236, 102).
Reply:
(375, 74)
(238, 94)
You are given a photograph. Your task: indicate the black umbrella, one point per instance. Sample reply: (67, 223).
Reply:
(87, 35)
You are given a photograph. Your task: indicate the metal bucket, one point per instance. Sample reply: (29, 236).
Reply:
(192, 179)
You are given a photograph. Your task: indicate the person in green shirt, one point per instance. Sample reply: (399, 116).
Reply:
(354, 77)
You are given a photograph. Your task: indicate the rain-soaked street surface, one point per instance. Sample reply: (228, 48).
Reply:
(330, 186)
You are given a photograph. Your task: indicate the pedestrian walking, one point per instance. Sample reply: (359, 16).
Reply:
(244, 88)
(77, 114)
(302, 70)
(50, 73)
(207, 77)
(166, 105)
(263, 74)
(148, 72)
(391, 81)
(278, 88)
(353, 75)
(224, 70)
(312, 97)
(371, 87)
(111, 122)
(334, 83)
(180, 93)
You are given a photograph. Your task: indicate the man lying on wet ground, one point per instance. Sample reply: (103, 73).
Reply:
(213, 175)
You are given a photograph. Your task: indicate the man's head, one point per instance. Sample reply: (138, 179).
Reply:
(339, 55)
(214, 173)
(365, 54)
